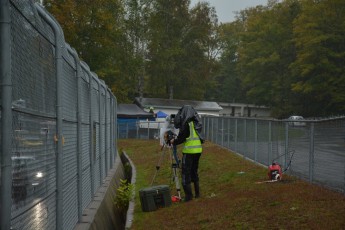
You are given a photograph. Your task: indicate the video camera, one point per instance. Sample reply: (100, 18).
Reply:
(171, 119)
(168, 136)
(168, 132)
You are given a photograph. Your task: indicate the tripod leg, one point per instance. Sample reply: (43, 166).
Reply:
(174, 166)
(158, 165)
(174, 152)
(177, 183)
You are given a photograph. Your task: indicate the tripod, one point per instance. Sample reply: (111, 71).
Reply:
(174, 167)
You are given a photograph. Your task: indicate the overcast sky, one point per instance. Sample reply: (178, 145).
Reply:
(226, 8)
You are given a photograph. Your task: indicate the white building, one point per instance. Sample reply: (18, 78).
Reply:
(171, 106)
(243, 110)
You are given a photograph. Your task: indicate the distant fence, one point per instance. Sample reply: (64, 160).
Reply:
(58, 123)
(139, 129)
(316, 148)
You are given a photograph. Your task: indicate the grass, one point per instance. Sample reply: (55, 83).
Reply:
(231, 197)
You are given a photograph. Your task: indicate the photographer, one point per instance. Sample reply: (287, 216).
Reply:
(189, 124)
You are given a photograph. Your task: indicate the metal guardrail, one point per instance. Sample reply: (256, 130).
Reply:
(58, 123)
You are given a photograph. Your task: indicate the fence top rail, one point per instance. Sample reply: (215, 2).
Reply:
(308, 120)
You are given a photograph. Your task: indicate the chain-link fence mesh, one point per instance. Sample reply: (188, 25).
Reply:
(41, 100)
(311, 150)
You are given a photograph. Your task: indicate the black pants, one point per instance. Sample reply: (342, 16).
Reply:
(190, 165)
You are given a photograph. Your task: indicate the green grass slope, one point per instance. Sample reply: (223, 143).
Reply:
(232, 196)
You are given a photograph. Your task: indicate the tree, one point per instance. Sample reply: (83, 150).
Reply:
(265, 53)
(288, 55)
(138, 14)
(167, 22)
(228, 82)
(180, 45)
(95, 28)
(204, 38)
(127, 42)
(319, 67)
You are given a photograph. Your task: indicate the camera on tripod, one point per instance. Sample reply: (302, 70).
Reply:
(168, 136)
(168, 132)
(171, 118)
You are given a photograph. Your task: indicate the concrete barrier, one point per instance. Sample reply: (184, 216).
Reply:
(133, 176)
(102, 213)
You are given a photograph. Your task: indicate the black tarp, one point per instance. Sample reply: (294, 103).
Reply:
(185, 115)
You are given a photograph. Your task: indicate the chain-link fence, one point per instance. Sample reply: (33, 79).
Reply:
(312, 150)
(57, 123)
(139, 129)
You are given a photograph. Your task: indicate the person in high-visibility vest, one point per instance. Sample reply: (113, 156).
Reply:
(189, 124)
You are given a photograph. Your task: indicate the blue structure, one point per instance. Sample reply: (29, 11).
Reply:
(161, 114)
(128, 117)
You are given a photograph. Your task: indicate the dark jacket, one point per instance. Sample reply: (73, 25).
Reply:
(186, 114)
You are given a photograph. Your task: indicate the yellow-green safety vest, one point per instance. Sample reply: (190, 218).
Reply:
(192, 144)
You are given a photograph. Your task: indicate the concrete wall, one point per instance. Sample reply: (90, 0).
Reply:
(101, 212)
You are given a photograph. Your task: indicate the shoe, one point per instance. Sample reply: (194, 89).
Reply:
(187, 199)
(197, 189)
(188, 192)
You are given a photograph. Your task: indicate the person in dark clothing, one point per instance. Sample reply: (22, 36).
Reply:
(189, 124)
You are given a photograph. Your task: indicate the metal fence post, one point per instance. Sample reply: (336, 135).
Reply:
(269, 142)
(210, 125)
(59, 45)
(79, 137)
(256, 141)
(112, 137)
(100, 130)
(286, 143)
(127, 130)
(216, 122)
(245, 138)
(222, 131)
(229, 133)
(211, 129)
(118, 131)
(60, 137)
(113, 132)
(203, 126)
(6, 115)
(106, 152)
(91, 137)
(115, 128)
(104, 146)
(207, 128)
(148, 130)
(311, 153)
(236, 134)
